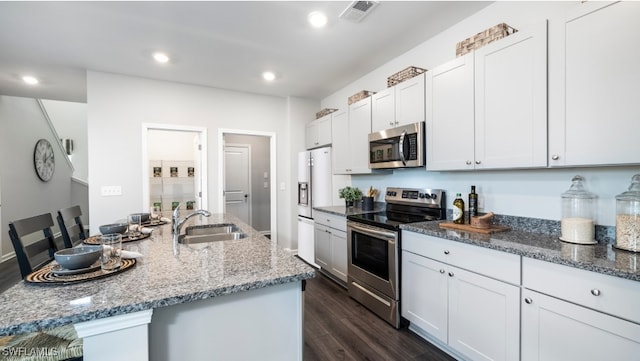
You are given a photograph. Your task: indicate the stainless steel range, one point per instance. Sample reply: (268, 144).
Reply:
(373, 241)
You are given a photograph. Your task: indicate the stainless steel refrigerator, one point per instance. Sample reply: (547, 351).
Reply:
(314, 190)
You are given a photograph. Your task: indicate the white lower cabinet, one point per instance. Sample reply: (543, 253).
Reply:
(553, 329)
(331, 244)
(571, 314)
(475, 316)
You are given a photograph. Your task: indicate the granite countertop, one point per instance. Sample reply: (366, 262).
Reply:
(159, 279)
(348, 211)
(601, 258)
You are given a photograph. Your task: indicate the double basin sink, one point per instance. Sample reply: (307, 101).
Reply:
(211, 233)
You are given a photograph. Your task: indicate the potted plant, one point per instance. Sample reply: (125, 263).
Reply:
(350, 195)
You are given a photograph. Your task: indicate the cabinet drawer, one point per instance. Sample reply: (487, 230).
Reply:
(499, 265)
(612, 295)
(330, 220)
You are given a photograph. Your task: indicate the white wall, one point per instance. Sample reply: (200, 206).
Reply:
(70, 121)
(24, 195)
(170, 145)
(528, 193)
(117, 107)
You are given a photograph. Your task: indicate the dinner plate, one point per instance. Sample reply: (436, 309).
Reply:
(58, 270)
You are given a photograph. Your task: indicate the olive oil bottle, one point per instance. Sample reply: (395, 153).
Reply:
(458, 209)
(473, 203)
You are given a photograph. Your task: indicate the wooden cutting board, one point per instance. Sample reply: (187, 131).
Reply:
(468, 228)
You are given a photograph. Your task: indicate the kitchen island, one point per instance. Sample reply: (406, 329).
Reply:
(206, 299)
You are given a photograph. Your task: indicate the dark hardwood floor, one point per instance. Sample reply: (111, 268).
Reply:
(338, 328)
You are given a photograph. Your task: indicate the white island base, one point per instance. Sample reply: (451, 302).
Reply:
(260, 324)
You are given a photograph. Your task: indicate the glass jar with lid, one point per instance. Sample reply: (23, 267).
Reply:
(628, 217)
(578, 213)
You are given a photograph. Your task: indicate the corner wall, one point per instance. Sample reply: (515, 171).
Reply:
(23, 194)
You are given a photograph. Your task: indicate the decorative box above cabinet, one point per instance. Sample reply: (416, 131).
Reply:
(318, 132)
(594, 86)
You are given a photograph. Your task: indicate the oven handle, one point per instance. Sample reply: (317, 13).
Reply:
(401, 146)
(389, 236)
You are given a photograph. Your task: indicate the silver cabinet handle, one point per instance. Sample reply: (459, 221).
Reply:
(446, 251)
(450, 274)
(528, 301)
(477, 162)
(595, 292)
(468, 162)
(555, 157)
(442, 271)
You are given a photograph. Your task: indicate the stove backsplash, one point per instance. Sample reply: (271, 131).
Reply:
(604, 234)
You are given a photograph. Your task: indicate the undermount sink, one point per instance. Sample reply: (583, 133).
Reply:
(211, 229)
(211, 233)
(204, 238)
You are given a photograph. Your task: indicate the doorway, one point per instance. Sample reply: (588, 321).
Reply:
(174, 167)
(247, 178)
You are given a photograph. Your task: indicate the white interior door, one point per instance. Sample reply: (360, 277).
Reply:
(237, 182)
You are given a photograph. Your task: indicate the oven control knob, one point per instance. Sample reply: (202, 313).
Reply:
(434, 196)
(422, 195)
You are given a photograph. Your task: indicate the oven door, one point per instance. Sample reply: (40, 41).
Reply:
(373, 257)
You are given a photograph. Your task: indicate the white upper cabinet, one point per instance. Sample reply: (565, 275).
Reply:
(410, 101)
(350, 133)
(383, 109)
(449, 126)
(511, 101)
(595, 86)
(318, 132)
(488, 109)
(399, 105)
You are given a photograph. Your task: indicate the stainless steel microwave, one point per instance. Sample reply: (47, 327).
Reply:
(400, 147)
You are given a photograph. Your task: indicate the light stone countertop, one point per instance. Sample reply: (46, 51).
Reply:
(601, 258)
(159, 279)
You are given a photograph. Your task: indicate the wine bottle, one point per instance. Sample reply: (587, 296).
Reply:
(458, 209)
(473, 203)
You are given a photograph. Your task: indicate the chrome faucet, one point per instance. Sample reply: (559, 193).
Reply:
(177, 222)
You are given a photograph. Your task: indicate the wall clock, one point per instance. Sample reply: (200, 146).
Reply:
(43, 160)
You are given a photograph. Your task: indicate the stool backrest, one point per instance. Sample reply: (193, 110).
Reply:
(71, 226)
(35, 254)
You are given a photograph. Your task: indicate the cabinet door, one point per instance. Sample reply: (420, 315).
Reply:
(322, 238)
(383, 109)
(340, 148)
(484, 316)
(450, 114)
(424, 294)
(359, 129)
(410, 101)
(596, 87)
(553, 329)
(511, 101)
(324, 131)
(318, 132)
(339, 254)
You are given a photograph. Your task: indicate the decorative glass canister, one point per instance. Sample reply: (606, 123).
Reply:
(628, 217)
(578, 214)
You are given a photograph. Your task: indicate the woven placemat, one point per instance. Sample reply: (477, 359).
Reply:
(44, 276)
(95, 240)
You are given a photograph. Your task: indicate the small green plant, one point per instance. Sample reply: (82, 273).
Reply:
(350, 194)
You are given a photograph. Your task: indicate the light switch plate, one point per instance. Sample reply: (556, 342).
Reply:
(110, 191)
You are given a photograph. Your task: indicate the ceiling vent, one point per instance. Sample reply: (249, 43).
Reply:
(357, 10)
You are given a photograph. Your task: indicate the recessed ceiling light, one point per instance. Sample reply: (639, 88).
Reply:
(268, 76)
(30, 80)
(161, 57)
(317, 19)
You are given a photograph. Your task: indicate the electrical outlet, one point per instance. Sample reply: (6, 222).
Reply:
(110, 191)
